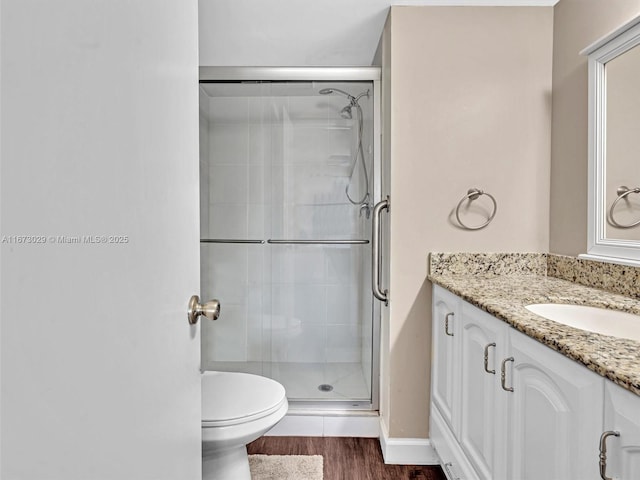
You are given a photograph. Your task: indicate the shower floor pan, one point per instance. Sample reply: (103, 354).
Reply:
(315, 382)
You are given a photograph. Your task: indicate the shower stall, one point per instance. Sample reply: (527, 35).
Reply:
(289, 162)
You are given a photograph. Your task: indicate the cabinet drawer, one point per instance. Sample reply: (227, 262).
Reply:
(452, 459)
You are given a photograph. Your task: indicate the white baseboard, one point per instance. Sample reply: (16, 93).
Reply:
(406, 451)
(340, 425)
(396, 451)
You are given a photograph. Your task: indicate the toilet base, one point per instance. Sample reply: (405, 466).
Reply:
(228, 464)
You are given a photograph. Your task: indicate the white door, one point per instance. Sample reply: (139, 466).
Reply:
(99, 253)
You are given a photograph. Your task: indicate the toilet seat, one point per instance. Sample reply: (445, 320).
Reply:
(237, 408)
(230, 398)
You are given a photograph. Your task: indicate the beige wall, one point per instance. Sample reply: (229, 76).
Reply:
(470, 106)
(577, 23)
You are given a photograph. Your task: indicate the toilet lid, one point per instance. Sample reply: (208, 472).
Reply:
(229, 396)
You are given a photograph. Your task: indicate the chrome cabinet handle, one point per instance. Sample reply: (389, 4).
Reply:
(503, 374)
(446, 323)
(210, 310)
(603, 453)
(375, 251)
(447, 468)
(486, 358)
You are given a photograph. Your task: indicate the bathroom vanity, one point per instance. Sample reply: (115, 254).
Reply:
(516, 396)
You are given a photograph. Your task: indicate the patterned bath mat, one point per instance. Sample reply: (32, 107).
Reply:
(286, 467)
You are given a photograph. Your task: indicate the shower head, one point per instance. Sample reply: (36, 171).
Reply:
(346, 111)
(329, 91)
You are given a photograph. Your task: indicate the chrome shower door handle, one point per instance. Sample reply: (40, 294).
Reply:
(375, 251)
(210, 310)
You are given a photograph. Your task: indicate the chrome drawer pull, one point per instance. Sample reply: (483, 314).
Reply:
(447, 469)
(603, 453)
(446, 323)
(486, 358)
(503, 374)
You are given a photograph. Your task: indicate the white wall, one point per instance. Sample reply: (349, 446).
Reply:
(289, 33)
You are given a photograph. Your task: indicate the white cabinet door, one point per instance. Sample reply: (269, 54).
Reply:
(482, 418)
(555, 414)
(622, 414)
(446, 335)
(100, 369)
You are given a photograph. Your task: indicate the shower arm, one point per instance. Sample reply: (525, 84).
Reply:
(352, 100)
(363, 94)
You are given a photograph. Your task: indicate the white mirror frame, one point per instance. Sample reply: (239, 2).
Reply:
(604, 50)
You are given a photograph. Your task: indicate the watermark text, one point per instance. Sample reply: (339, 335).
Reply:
(64, 239)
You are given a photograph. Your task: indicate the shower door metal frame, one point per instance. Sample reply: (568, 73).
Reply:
(290, 74)
(212, 74)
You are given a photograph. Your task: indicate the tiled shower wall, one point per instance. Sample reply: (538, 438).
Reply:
(277, 169)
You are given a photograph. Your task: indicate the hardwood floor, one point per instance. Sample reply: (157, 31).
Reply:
(345, 458)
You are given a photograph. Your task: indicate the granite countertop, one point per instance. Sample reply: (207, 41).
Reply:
(505, 296)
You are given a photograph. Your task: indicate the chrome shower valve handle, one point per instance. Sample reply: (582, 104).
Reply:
(366, 207)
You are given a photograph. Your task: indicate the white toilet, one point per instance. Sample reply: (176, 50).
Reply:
(237, 408)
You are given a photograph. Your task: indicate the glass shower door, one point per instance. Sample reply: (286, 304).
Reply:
(235, 167)
(277, 160)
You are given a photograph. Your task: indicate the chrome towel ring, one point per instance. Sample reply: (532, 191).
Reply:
(474, 194)
(622, 192)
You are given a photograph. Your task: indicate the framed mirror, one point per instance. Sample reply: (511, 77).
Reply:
(614, 146)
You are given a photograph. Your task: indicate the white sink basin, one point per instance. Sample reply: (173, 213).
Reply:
(592, 319)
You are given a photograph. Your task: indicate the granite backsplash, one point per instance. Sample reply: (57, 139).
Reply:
(611, 277)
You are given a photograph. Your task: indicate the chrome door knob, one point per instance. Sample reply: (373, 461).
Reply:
(210, 310)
